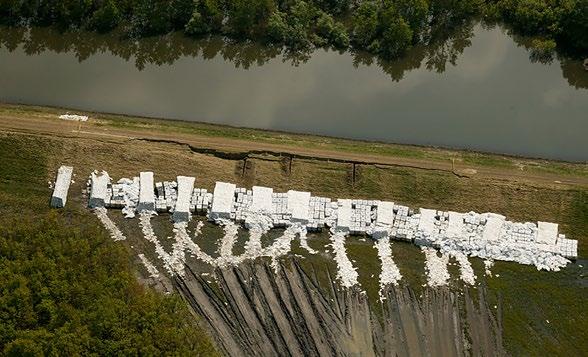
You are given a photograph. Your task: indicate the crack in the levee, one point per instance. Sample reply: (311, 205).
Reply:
(258, 154)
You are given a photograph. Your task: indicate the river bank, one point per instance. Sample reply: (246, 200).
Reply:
(239, 143)
(477, 88)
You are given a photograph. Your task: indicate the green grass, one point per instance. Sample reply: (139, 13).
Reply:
(65, 287)
(544, 313)
(311, 141)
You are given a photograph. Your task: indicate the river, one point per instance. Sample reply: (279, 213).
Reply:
(476, 89)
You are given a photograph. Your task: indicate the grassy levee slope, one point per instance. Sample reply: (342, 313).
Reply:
(65, 287)
(541, 312)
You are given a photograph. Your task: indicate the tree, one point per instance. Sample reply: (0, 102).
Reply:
(246, 17)
(106, 17)
(333, 32)
(396, 33)
(180, 12)
(365, 24)
(575, 28)
(415, 13)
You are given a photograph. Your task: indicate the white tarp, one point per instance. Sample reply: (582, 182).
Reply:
(455, 225)
(222, 200)
(493, 227)
(547, 232)
(182, 209)
(146, 192)
(99, 189)
(73, 117)
(344, 213)
(385, 213)
(59, 197)
(427, 221)
(262, 199)
(299, 206)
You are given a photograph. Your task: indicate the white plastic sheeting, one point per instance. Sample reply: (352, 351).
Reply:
(99, 189)
(222, 201)
(385, 213)
(455, 225)
(426, 223)
(493, 227)
(547, 232)
(146, 192)
(73, 117)
(262, 199)
(344, 215)
(182, 207)
(299, 206)
(59, 197)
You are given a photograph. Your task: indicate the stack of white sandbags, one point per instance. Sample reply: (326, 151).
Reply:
(182, 208)
(99, 183)
(59, 197)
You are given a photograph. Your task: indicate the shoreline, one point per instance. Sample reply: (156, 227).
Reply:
(161, 120)
(239, 143)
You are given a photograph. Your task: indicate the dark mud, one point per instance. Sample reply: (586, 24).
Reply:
(256, 311)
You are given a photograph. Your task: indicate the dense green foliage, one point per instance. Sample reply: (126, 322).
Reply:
(72, 291)
(563, 20)
(384, 27)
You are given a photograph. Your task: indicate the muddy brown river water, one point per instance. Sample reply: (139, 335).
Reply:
(477, 89)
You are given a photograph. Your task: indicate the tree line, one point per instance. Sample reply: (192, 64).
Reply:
(68, 289)
(386, 28)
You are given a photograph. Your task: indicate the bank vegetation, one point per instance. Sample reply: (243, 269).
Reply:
(387, 28)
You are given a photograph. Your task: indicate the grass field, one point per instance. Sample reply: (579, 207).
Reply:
(543, 312)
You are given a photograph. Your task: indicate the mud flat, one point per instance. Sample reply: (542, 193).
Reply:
(256, 312)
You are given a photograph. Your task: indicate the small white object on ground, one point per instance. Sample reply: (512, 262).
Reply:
(488, 264)
(304, 243)
(73, 117)
(226, 247)
(59, 197)
(149, 234)
(283, 244)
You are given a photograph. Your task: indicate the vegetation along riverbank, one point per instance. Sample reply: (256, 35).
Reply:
(386, 28)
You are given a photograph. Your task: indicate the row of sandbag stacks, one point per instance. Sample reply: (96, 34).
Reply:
(425, 227)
